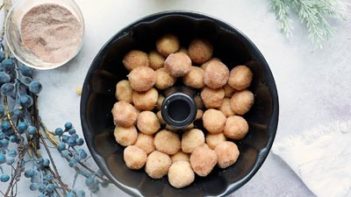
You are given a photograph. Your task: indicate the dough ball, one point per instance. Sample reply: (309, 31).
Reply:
(134, 59)
(216, 74)
(236, 128)
(213, 140)
(164, 79)
(125, 136)
(167, 44)
(160, 118)
(195, 78)
(178, 64)
(167, 142)
(241, 102)
(227, 154)
(213, 121)
(228, 91)
(145, 100)
(156, 60)
(170, 128)
(203, 160)
(124, 91)
(192, 139)
(142, 79)
(124, 114)
(160, 101)
(180, 156)
(204, 65)
(145, 142)
(199, 114)
(212, 98)
(190, 126)
(134, 157)
(157, 164)
(148, 122)
(180, 174)
(200, 51)
(240, 77)
(198, 102)
(226, 108)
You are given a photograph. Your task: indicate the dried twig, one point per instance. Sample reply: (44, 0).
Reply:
(21, 152)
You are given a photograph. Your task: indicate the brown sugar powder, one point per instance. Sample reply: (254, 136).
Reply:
(51, 32)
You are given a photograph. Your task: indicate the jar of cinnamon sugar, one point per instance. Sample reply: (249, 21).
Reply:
(44, 34)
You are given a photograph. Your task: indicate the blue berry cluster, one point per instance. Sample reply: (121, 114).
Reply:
(18, 94)
(69, 145)
(70, 148)
(17, 88)
(43, 180)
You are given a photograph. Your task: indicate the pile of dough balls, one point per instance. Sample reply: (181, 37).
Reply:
(223, 98)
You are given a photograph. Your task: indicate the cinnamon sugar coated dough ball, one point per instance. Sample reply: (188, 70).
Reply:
(124, 114)
(167, 44)
(180, 174)
(236, 128)
(213, 140)
(213, 121)
(145, 100)
(145, 142)
(226, 108)
(156, 60)
(198, 102)
(125, 136)
(178, 64)
(240, 77)
(180, 156)
(227, 154)
(160, 101)
(200, 51)
(203, 160)
(160, 118)
(190, 126)
(192, 139)
(228, 91)
(216, 74)
(204, 65)
(241, 102)
(134, 157)
(199, 114)
(167, 142)
(124, 91)
(170, 128)
(157, 164)
(142, 79)
(148, 122)
(212, 98)
(194, 78)
(134, 59)
(164, 79)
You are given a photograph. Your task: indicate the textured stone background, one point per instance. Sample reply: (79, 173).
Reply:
(313, 84)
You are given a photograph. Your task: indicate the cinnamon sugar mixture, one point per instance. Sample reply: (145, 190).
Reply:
(51, 32)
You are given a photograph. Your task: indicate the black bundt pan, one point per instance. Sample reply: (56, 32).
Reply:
(232, 47)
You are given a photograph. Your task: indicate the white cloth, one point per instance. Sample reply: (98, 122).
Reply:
(321, 157)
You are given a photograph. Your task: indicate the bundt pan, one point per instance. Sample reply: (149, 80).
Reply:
(232, 47)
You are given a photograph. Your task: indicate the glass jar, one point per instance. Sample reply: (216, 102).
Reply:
(13, 32)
